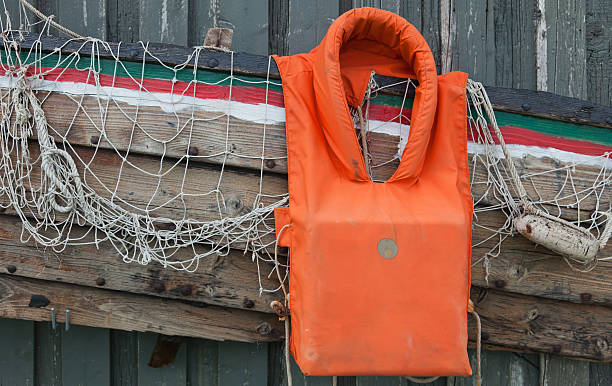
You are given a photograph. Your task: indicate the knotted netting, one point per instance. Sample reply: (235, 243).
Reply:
(174, 164)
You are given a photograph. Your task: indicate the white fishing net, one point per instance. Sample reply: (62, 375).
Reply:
(156, 169)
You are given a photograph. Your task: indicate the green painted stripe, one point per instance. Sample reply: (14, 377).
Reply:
(556, 128)
(155, 71)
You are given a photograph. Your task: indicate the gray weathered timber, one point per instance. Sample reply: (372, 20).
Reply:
(249, 20)
(85, 17)
(562, 371)
(123, 357)
(599, 51)
(123, 21)
(308, 23)
(16, 352)
(48, 356)
(174, 373)
(85, 356)
(566, 56)
(164, 21)
(495, 41)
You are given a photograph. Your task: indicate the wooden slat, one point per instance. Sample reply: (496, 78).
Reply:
(599, 55)
(565, 21)
(230, 281)
(113, 309)
(600, 374)
(563, 371)
(243, 364)
(174, 374)
(299, 379)
(124, 357)
(541, 104)
(85, 17)
(48, 354)
(85, 356)
(17, 353)
(519, 322)
(164, 21)
(308, 23)
(203, 362)
(123, 21)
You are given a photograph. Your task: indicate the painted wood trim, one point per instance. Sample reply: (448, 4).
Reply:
(527, 102)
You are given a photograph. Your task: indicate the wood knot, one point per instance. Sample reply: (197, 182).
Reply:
(248, 303)
(185, 290)
(264, 328)
(499, 283)
(193, 151)
(158, 286)
(533, 314)
(11, 269)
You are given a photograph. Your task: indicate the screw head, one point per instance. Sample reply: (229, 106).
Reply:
(387, 248)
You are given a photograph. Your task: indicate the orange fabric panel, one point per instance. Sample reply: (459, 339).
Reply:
(355, 310)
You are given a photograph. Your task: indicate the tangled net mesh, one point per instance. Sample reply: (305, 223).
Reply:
(162, 173)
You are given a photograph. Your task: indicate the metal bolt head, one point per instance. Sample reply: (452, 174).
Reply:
(387, 248)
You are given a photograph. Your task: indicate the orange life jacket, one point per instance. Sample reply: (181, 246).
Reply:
(379, 272)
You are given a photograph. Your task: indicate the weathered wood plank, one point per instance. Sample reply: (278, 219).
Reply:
(48, 354)
(566, 29)
(164, 21)
(524, 323)
(542, 104)
(249, 20)
(278, 27)
(172, 374)
(599, 52)
(600, 374)
(556, 370)
(501, 368)
(243, 364)
(299, 379)
(229, 281)
(123, 21)
(17, 353)
(112, 309)
(85, 17)
(308, 23)
(203, 362)
(124, 357)
(85, 355)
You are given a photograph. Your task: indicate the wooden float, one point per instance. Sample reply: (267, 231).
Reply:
(530, 301)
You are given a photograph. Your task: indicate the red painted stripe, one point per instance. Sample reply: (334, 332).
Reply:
(257, 95)
(522, 136)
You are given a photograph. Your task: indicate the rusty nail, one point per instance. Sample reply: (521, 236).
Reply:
(526, 107)
(248, 303)
(499, 283)
(95, 139)
(556, 348)
(11, 269)
(586, 297)
(100, 281)
(264, 328)
(193, 151)
(279, 309)
(485, 336)
(158, 286)
(270, 164)
(185, 290)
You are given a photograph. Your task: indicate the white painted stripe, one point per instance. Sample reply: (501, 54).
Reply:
(260, 113)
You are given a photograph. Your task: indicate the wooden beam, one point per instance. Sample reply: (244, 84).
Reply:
(525, 323)
(113, 309)
(230, 281)
(528, 102)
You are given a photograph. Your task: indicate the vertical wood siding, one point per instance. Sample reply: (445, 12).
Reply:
(498, 42)
(32, 353)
